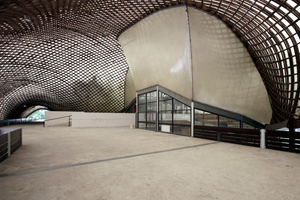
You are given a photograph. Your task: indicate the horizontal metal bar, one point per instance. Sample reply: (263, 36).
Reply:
(233, 130)
(58, 118)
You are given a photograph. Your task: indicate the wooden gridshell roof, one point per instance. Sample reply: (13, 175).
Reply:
(65, 54)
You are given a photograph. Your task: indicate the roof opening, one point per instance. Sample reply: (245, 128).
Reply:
(38, 115)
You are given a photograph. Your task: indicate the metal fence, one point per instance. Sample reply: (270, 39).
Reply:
(8, 122)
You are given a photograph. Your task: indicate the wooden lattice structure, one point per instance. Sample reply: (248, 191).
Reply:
(64, 54)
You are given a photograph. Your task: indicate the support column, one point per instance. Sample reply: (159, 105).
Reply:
(21, 140)
(157, 110)
(263, 138)
(137, 111)
(8, 144)
(192, 119)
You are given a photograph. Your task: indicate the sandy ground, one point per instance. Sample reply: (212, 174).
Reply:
(121, 163)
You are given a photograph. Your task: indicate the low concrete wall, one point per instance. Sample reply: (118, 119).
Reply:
(10, 141)
(102, 119)
(57, 114)
(7, 130)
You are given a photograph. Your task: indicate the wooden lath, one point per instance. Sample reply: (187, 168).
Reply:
(269, 29)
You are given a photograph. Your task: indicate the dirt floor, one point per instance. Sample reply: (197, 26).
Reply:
(123, 163)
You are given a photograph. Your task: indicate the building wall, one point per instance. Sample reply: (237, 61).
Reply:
(83, 119)
(57, 114)
(102, 119)
(195, 55)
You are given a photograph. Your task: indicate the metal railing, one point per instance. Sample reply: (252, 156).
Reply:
(130, 107)
(249, 137)
(69, 116)
(283, 140)
(8, 122)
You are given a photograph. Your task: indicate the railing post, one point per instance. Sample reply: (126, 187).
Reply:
(291, 135)
(263, 138)
(291, 141)
(21, 140)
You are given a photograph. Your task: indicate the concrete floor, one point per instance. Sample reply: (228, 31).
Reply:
(121, 163)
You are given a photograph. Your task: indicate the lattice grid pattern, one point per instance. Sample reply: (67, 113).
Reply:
(66, 52)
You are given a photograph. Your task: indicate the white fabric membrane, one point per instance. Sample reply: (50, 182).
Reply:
(197, 56)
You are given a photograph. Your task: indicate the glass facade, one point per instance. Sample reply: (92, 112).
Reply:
(172, 116)
(227, 122)
(182, 130)
(147, 110)
(203, 118)
(142, 125)
(247, 126)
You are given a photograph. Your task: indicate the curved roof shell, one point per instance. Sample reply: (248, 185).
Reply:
(64, 54)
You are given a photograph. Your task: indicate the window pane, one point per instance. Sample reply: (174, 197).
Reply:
(151, 96)
(165, 128)
(180, 106)
(142, 107)
(142, 125)
(151, 117)
(182, 117)
(165, 105)
(142, 98)
(151, 127)
(227, 122)
(182, 130)
(163, 96)
(142, 117)
(199, 112)
(165, 117)
(205, 118)
(247, 126)
(151, 107)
